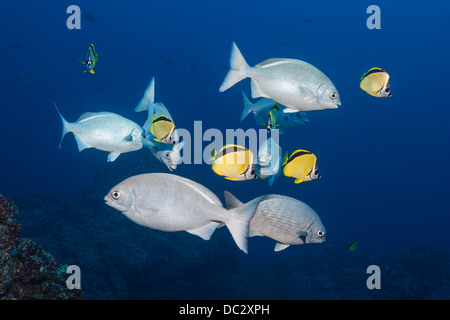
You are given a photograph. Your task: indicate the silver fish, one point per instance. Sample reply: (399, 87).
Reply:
(169, 202)
(293, 83)
(104, 131)
(284, 219)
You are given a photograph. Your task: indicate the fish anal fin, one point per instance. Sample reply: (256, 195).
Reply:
(280, 246)
(205, 232)
(290, 110)
(81, 144)
(113, 156)
(256, 90)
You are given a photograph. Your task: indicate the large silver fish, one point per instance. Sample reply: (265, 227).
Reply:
(169, 202)
(293, 83)
(284, 219)
(104, 131)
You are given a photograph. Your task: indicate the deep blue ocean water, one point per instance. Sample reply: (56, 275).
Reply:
(383, 161)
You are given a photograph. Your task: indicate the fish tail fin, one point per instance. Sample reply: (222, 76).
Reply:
(238, 68)
(285, 159)
(66, 125)
(238, 225)
(149, 97)
(271, 180)
(213, 155)
(247, 106)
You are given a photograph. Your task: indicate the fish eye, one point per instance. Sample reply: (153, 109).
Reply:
(333, 95)
(316, 172)
(387, 90)
(116, 195)
(320, 233)
(168, 156)
(253, 172)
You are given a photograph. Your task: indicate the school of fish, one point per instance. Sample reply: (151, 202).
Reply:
(288, 88)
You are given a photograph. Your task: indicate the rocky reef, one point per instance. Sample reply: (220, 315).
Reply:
(27, 271)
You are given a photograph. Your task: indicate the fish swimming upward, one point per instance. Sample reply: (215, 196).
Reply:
(293, 83)
(104, 131)
(168, 202)
(286, 220)
(159, 129)
(91, 59)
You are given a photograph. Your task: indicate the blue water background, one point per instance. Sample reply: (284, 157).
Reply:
(384, 162)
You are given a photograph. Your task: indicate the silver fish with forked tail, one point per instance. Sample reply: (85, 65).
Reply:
(168, 202)
(104, 131)
(293, 83)
(286, 220)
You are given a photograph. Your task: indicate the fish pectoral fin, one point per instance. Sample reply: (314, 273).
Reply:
(92, 71)
(232, 179)
(113, 156)
(306, 94)
(205, 232)
(280, 246)
(298, 181)
(302, 235)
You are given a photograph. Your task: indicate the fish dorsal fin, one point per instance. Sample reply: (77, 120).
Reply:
(90, 115)
(280, 246)
(273, 62)
(205, 232)
(87, 115)
(231, 201)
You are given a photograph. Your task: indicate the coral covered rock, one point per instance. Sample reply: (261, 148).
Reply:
(26, 270)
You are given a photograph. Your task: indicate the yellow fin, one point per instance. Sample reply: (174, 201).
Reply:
(298, 181)
(92, 71)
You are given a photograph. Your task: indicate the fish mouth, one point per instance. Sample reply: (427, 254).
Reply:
(107, 199)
